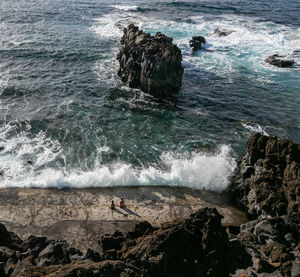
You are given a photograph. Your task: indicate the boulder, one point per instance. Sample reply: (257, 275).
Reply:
(9, 239)
(196, 42)
(267, 180)
(152, 63)
(112, 242)
(222, 33)
(279, 61)
(197, 246)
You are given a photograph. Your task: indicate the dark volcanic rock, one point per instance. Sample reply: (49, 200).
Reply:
(197, 246)
(279, 61)
(196, 42)
(9, 239)
(151, 63)
(273, 248)
(267, 186)
(114, 241)
(222, 33)
(268, 178)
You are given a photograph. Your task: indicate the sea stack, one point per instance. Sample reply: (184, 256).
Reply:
(279, 61)
(151, 63)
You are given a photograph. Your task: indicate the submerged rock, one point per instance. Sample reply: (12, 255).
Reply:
(152, 63)
(279, 61)
(222, 33)
(196, 42)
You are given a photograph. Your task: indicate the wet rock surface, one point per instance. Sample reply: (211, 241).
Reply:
(196, 43)
(222, 33)
(152, 63)
(279, 61)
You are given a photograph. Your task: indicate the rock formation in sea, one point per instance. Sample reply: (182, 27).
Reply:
(279, 61)
(222, 33)
(152, 63)
(196, 43)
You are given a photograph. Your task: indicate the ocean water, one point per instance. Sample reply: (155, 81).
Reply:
(67, 120)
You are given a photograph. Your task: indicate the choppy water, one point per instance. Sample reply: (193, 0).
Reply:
(66, 119)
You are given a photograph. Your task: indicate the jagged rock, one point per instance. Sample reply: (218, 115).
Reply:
(263, 266)
(54, 253)
(92, 255)
(279, 61)
(267, 237)
(222, 33)
(9, 239)
(267, 180)
(196, 42)
(198, 246)
(140, 229)
(114, 241)
(151, 63)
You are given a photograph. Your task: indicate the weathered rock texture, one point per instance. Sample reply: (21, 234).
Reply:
(197, 246)
(279, 61)
(268, 178)
(273, 244)
(151, 63)
(267, 186)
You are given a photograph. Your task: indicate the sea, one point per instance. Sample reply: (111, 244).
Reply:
(66, 120)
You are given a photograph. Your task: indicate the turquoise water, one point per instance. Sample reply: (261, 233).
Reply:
(67, 120)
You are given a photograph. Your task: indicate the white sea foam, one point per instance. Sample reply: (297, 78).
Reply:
(250, 43)
(125, 7)
(110, 26)
(25, 155)
(200, 171)
(254, 127)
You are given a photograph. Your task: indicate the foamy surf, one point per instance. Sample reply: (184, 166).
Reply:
(254, 128)
(249, 44)
(201, 171)
(125, 7)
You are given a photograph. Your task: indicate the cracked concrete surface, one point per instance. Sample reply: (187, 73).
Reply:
(82, 216)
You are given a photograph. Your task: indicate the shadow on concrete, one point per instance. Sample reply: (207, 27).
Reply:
(130, 211)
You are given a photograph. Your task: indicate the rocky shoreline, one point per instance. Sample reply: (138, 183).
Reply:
(265, 185)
